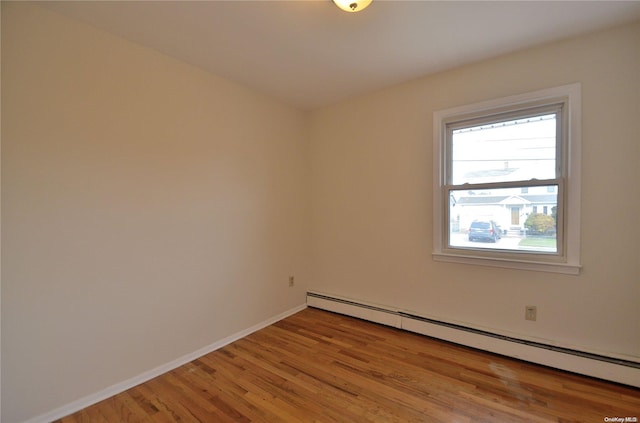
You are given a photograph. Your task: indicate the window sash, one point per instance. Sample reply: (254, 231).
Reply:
(556, 107)
(560, 252)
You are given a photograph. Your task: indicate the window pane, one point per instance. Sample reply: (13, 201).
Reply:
(516, 150)
(504, 219)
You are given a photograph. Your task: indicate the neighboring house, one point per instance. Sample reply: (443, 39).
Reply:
(509, 209)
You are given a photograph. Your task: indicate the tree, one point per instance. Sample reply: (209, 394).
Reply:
(540, 223)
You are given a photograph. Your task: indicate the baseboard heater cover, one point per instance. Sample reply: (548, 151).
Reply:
(603, 367)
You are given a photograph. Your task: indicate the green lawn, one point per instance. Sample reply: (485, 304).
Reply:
(538, 242)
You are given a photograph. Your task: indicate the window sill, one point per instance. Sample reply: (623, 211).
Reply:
(564, 268)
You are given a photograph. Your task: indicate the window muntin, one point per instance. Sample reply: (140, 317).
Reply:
(552, 174)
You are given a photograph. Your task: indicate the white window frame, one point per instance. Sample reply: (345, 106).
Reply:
(567, 261)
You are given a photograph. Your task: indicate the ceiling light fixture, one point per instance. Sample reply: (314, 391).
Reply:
(352, 5)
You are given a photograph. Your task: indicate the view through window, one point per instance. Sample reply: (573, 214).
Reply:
(503, 183)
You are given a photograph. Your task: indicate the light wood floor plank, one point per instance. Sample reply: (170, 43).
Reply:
(317, 366)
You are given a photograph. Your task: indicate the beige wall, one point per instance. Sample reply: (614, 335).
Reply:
(149, 209)
(372, 200)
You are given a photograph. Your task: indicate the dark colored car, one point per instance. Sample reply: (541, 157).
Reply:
(484, 230)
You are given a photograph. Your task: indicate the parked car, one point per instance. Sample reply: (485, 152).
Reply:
(484, 230)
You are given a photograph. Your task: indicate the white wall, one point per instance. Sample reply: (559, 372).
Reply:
(372, 200)
(148, 209)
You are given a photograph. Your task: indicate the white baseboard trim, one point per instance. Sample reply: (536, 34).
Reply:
(589, 364)
(89, 400)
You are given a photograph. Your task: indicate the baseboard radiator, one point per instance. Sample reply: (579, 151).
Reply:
(586, 363)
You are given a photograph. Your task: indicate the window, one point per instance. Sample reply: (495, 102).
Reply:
(497, 164)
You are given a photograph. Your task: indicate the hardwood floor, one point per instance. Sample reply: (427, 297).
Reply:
(317, 366)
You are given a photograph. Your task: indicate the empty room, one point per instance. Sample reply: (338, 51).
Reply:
(281, 211)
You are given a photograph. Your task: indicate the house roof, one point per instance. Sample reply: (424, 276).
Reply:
(535, 199)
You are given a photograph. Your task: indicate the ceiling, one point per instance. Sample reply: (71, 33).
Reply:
(309, 53)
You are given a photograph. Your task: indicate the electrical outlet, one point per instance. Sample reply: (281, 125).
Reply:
(530, 313)
(291, 281)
